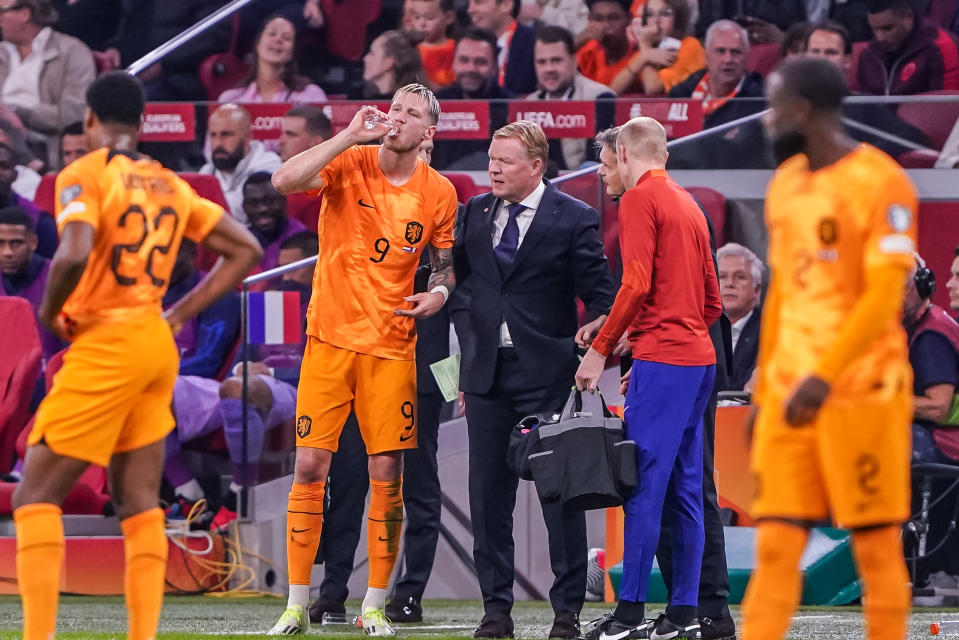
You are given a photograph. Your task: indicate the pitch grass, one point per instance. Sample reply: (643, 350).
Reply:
(204, 617)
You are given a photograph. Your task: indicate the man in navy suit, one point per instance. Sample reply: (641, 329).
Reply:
(525, 253)
(740, 285)
(514, 42)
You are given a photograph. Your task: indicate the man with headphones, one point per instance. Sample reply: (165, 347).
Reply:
(934, 355)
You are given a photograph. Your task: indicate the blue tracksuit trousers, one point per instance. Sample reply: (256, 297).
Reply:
(664, 415)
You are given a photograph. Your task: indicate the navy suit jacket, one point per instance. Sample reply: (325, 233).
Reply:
(745, 353)
(561, 258)
(520, 76)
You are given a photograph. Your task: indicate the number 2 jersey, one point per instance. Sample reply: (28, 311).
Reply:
(372, 234)
(140, 211)
(827, 229)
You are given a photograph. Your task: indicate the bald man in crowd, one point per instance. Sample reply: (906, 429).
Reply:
(234, 156)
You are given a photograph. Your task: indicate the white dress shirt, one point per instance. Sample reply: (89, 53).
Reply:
(22, 86)
(737, 327)
(523, 219)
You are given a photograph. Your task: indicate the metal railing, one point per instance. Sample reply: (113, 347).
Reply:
(176, 41)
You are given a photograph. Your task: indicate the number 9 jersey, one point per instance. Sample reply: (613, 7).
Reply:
(372, 234)
(140, 211)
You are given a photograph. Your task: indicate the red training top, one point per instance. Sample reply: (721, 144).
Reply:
(670, 295)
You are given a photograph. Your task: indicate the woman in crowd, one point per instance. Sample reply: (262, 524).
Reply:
(273, 75)
(667, 54)
(392, 62)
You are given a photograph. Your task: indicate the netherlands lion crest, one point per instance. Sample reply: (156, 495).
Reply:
(303, 425)
(828, 231)
(414, 232)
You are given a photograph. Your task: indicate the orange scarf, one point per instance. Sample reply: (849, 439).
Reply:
(712, 103)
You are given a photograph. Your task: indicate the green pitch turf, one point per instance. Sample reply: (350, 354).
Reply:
(204, 617)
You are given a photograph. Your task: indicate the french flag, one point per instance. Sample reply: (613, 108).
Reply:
(274, 317)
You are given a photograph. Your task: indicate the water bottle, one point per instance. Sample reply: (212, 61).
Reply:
(372, 119)
(945, 626)
(331, 619)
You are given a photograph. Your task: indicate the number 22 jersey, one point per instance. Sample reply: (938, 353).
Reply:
(372, 234)
(140, 211)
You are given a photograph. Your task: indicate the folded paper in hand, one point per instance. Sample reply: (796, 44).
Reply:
(446, 372)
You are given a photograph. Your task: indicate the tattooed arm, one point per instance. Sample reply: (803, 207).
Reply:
(432, 300)
(441, 260)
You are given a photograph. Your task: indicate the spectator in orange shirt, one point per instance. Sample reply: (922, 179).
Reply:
(602, 58)
(431, 19)
(667, 53)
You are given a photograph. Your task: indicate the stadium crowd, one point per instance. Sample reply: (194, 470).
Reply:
(309, 52)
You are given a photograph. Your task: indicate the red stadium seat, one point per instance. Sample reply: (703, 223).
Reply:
(89, 495)
(762, 58)
(715, 205)
(935, 119)
(19, 366)
(220, 72)
(347, 23)
(464, 185)
(206, 186)
(857, 49)
(45, 197)
(917, 159)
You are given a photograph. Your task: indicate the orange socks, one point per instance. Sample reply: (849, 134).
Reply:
(775, 587)
(145, 550)
(885, 581)
(39, 561)
(304, 522)
(384, 525)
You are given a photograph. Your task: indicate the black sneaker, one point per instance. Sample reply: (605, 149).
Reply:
(718, 628)
(609, 628)
(666, 629)
(408, 611)
(320, 607)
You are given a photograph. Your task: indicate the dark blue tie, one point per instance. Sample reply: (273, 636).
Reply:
(509, 241)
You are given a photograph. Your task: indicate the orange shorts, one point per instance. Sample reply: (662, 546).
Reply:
(334, 381)
(113, 393)
(851, 464)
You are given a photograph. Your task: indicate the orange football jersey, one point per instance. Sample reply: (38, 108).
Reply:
(827, 228)
(371, 236)
(140, 211)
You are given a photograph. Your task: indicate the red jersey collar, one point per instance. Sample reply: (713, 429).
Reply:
(652, 173)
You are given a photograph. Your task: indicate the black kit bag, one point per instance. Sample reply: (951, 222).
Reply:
(579, 458)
